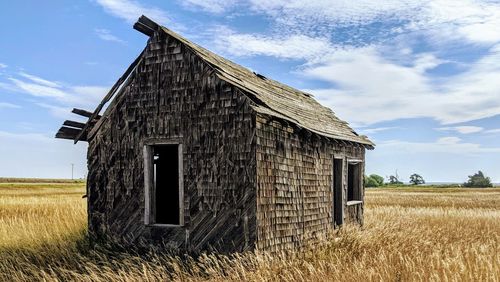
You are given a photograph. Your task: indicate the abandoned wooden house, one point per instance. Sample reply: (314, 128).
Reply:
(197, 152)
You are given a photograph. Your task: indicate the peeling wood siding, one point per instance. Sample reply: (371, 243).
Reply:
(173, 94)
(294, 184)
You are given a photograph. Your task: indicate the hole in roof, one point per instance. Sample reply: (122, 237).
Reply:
(259, 75)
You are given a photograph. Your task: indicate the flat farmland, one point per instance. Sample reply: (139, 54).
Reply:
(410, 234)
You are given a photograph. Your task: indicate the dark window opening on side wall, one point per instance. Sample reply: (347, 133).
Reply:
(164, 184)
(338, 203)
(354, 184)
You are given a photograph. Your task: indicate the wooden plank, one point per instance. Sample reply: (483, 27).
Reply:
(81, 112)
(74, 124)
(146, 26)
(143, 29)
(68, 133)
(148, 22)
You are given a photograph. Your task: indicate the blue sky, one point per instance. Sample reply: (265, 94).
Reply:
(420, 78)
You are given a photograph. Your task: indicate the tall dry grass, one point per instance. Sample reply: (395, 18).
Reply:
(409, 235)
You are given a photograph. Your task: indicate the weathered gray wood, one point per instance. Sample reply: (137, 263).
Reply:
(173, 95)
(68, 133)
(143, 29)
(148, 22)
(148, 185)
(249, 176)
(74, 124)
(81, 112)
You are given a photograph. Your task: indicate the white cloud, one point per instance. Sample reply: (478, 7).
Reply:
(497, 130)
(59, 98)
(342, 12)
(41, 81)
(212, 6)
(448, 145)
(132, 10)
(4, 105)
(292, 47)
(370, 88)
(463, 129)
(106, 35)
(476, 21)
(38, 90)
(376, 130)
(451, 140)
(58, 111)
(2, 66)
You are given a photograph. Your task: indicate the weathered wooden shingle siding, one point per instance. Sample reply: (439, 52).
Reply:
(174, 94)
(294, 184)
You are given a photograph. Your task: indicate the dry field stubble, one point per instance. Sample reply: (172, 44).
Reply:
(410, 234)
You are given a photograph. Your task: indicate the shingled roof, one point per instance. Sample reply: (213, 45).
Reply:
(274, 98)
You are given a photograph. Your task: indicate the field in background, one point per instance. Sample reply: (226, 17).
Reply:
(11, 180)
(409, 234)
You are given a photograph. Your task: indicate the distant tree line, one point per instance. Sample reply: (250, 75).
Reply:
(373, 180)
(478, 180)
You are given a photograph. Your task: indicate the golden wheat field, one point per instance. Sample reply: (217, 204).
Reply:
(410, 234)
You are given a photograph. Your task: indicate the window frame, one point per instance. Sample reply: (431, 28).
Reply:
(357, 193)
(149, 186)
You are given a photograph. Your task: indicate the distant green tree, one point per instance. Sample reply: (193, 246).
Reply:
(374, 180)
(394, 179)
(416, 179)
(379, 179)
(478, 180)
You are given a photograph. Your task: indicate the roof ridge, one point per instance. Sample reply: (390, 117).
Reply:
(290, 103)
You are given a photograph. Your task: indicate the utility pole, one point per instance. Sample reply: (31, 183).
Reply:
(72, 166)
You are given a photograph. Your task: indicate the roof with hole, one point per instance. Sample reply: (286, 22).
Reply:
(277, 99)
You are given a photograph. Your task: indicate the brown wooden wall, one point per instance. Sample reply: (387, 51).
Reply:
(294, 184)
(174, 94)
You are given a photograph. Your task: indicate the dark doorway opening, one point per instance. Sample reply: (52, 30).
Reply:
(166, 184)
(338, 207)
(353, 182)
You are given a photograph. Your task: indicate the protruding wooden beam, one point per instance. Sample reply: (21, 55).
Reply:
(146, 26)
(143, 29)
(69, 133)
(111, 93)
(82, 112)
(74, 124)
(148, 22)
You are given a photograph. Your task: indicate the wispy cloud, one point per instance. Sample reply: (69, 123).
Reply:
(476, 21)
(497, 130)
(40, 80)
(2, 66)
(449, 145)
(372, 81)
(370, 88)
(212, 6)
(38, 89)
(299, 47)
(106, 35)
(63, 112)
(4, 105)
(378, 129)
(462, 129)
(57, 97)
(131, 10)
